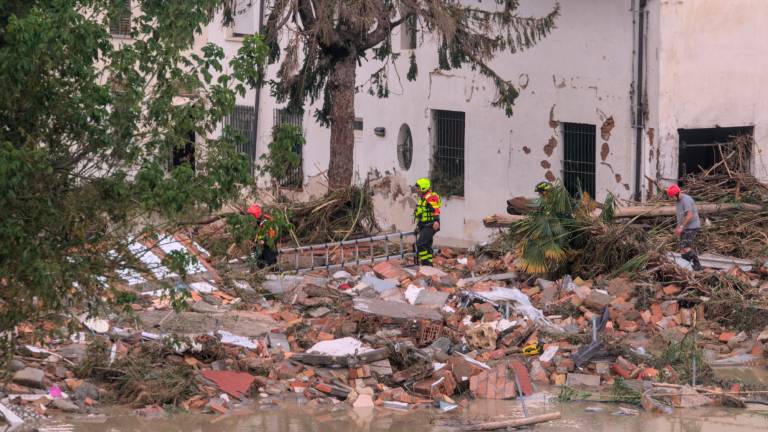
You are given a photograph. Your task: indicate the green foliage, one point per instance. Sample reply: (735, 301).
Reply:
(544, 235)
(335, 32)
(284, 155)
(445, 184)
(247, 231)
(569, 394)
(88, 130)
(681, 356)
(621, 392)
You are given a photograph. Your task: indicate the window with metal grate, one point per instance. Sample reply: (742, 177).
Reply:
(579, 148)
(241, 122)
(120, 23)
(448, 156)
(295, 178)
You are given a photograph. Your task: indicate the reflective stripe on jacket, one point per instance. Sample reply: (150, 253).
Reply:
(428, 208)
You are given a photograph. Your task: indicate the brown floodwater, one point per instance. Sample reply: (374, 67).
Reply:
(297, 418)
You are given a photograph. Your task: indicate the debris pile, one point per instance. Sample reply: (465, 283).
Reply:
(396, 337)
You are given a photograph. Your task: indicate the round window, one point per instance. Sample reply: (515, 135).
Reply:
(405, 147)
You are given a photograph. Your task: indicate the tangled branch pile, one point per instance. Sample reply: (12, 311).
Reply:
(145, 376)
(729, 180)
(562, 235)
(337, 216)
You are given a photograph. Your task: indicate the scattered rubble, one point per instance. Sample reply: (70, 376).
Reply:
(391, 336)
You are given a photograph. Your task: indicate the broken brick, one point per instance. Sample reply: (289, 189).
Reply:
(234, 384)
(620, 371)
(628, 326)
(670, 307)
(582, 380)
(656, 313)
(597, 301)
(463, 369)
(389, 270)
(648, 373)
(671, 290)
(725, 337)
(523, 376)
(646, 316)
(493, 384)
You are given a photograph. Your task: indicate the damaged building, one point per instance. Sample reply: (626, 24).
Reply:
(623, 95)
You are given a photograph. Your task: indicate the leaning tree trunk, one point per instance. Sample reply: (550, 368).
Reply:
(342, 89)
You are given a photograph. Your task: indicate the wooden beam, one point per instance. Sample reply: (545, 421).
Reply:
(513, 423)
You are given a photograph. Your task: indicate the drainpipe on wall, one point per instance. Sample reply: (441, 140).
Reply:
(257, 98)
(639, 104)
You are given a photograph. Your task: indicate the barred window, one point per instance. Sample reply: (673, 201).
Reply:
(295, 178)
(120, 23)
(448, 156)
(241, 122)
(579, 148)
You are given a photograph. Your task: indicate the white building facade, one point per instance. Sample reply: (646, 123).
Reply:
(694, 70)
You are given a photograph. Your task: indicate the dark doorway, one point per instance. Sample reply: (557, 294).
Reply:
(701, 149)
(185, 154)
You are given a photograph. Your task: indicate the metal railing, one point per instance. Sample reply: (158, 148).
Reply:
(366, 250)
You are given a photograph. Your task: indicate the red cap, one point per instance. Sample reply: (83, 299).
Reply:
(673, 190)
(255, 211)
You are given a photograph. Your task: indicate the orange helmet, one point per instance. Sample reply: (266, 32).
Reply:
(673, 190)
(255, 211)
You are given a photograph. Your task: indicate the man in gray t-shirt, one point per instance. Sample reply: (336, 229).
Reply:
(688, 224)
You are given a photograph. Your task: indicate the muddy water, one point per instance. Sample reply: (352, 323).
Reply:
(576, 417)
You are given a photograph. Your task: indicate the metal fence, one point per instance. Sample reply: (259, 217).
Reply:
(241, 122)
(295, 177)
(579, 148)
(448, 162)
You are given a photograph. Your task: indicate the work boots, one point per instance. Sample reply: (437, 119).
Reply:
(692, 258)
(695, 263)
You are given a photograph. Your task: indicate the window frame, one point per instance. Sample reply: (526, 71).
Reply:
(448, 161)
(579, 161)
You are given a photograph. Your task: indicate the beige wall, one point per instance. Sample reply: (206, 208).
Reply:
(712, 67)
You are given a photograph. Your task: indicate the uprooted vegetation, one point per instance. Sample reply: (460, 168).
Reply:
(562, 235)
(150, 373)
(339, 215)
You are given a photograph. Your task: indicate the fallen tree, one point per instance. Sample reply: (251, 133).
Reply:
(502, 221)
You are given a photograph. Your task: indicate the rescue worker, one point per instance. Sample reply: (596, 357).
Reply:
(264, 246)
(427, 216)
(688, 224)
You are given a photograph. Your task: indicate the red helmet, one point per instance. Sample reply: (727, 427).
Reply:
(673, 190)
(255, 211)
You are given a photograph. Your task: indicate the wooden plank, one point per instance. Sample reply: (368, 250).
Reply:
(512, 423)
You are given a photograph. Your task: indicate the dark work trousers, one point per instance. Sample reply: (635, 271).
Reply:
(426, 234)
(266, 257)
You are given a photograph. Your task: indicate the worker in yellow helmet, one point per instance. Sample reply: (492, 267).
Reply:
(427, 216)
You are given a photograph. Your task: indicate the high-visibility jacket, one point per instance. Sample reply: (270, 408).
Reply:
(428, 208)
(266, 229)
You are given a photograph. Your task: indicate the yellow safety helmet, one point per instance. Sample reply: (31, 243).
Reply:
(544, 186)
(424, 184)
